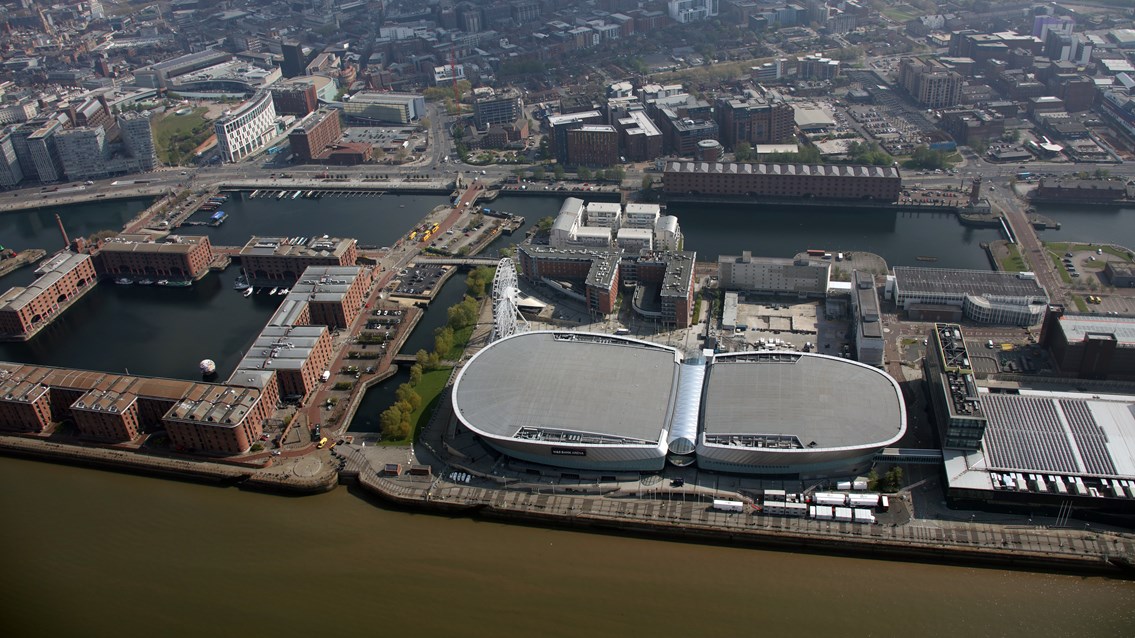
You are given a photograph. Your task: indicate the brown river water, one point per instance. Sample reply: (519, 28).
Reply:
(91, 553)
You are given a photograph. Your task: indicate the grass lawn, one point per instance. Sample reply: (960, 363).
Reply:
(177, 135)
(1122, 254)
(1014, 262)
(1081, 305)
(429, 388)
(460, 340)
(1067, 278)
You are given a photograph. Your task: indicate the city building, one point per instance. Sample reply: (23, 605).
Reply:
(157, 76)
(334, 294)
(791, 415)
(944, 294)
(115, 408)
(758, 118)
(817, 67)
(246, 130)
(600, 225)
(594, 145)
(1030, 449)
(640, 138)
(773, 275)
(295, 60)
(138, 137)
(388, 108)
(81, 152)
(10, 172)
(294, 97)
(1090, 346)
(588, 275)
(869, 344)
(182, 257)
(686, 11)
(44, 153)
(953, 389)
(560, 125)
(63, 278)
(277, 260)
(820, 181)
(296, 352)
(311, 137)
(497, 106)
(930, 84)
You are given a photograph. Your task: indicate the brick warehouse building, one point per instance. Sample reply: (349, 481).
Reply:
(334, 294)
(813, 181)
(593, 145)
(275, 260)
(664, 284)
(295, 97)
(63, 278)
(117, 408)
(179, 256)
(314, 133)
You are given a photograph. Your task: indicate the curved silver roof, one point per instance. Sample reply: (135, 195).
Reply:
(569, 387)
(820, 401)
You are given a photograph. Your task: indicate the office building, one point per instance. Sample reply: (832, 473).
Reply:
(248, 129)
(503, 106)
(774, 275)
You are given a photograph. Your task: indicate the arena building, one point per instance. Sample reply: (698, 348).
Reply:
(618, 404)
(1060, 445)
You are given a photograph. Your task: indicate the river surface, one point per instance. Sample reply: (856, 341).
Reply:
(90, 553)
(1091, 224)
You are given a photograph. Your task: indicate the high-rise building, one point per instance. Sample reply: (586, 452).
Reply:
(686, 11)
(929, 83)
(295, 97)
(498, 107)
(766, 119)
(314, 133)
(242, 132)
(138, 136)
(593, 145)
(294, 61)
(44, 155)
(82, 152)
(10, 171)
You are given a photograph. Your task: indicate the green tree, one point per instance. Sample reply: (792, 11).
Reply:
(407, 393)
(544, 226)
(416, 372)
(647, 183)
(520, 173)
(443, 341)
(538, 174)
(583, 173)
(615, 174)
(558, 172)
(394, 423)
(743, 151)
(872, 480)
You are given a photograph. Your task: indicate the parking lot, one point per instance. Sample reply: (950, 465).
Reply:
(419, 280)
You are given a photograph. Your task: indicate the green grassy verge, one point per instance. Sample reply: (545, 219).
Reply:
(430, 389)
(1014, 262)
(1117, 252)
(1081, 304)
(460, 340)
(177, 135)
(1064, 276)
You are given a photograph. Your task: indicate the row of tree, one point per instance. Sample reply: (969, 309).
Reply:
(612, 174)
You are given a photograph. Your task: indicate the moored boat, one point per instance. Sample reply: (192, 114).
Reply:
(145, 282)
(124, 281)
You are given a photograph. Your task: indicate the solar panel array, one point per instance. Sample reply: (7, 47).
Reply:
(1090, 437)
(1025, 433)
